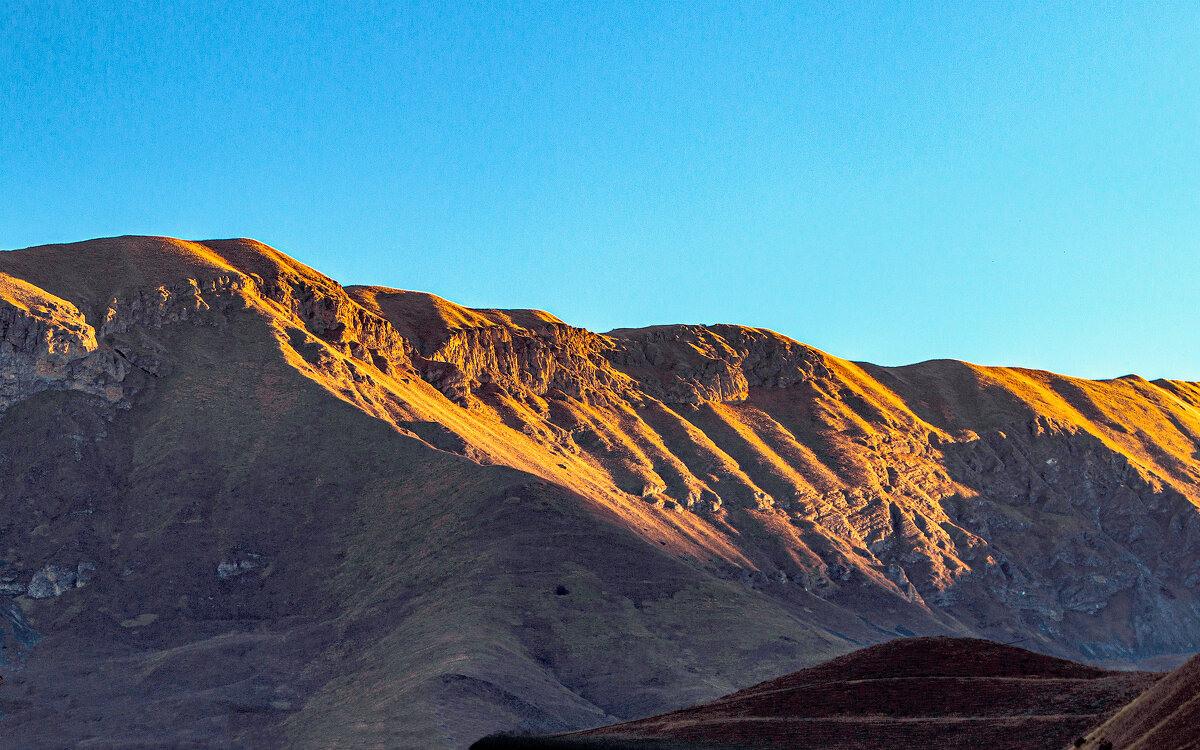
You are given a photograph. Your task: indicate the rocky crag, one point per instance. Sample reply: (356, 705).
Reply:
(276, 503)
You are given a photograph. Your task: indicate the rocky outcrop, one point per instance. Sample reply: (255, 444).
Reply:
(51, 580)
(171, 304)
(45, 344)
(326, 311)
(238, 563)
(549, 360)
(464, 353)
(54, 580)
(540, 360)
(693, 364)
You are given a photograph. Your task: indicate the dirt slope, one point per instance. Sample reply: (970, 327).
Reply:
(286, 512)
(914, 692)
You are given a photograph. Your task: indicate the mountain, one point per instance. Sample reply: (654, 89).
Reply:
(930, 693)
(243, 505)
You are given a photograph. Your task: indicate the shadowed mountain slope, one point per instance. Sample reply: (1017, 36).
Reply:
(283, 512)
(915, 692)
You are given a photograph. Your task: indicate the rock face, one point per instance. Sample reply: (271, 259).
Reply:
(51, 580)
(467, 354)
(735, 502)
(45, 343)
(696, 364)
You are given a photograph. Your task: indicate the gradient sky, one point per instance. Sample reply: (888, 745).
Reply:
(1013, 183)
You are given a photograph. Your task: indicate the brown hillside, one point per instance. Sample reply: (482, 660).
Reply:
(280, 511)
(916, 692)
(1165, 717)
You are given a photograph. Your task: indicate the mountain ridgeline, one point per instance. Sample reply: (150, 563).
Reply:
(281, 512)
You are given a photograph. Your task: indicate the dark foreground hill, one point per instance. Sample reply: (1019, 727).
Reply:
(243, 506)
(931, 693)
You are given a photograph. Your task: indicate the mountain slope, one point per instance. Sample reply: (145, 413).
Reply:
(296, 513)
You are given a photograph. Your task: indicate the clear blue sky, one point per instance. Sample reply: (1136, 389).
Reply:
(1009, 183)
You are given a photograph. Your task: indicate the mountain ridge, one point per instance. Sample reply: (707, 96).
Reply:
(740, 503)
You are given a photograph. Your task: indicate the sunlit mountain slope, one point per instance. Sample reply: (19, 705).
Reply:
(284, 512)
